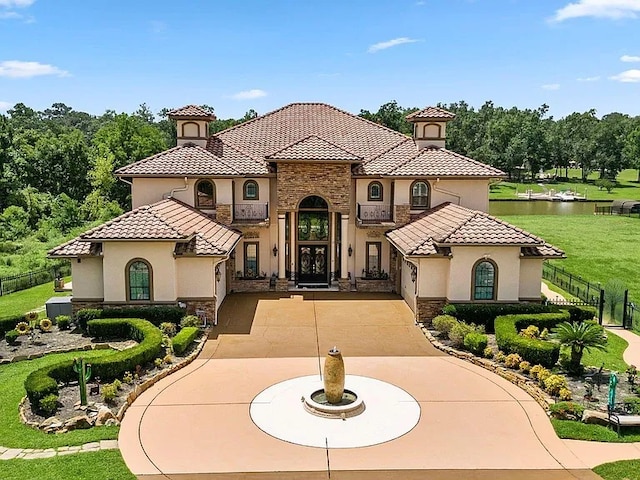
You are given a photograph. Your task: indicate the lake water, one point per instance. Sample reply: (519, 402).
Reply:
(541, 207)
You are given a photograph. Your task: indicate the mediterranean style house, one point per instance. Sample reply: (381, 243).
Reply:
(307, 196)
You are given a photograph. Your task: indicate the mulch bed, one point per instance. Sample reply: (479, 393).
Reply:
(41, 343)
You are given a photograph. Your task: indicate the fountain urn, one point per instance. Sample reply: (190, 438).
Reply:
(334, 376)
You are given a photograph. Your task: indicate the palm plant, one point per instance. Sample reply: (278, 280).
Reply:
(580, 336)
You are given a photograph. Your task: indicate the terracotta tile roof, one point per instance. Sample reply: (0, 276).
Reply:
(76, 248)
(274, 131)
(184, 160)
(440, 162)
(448, 224)
(193, 111)
(165, 220)
(316, 148)
(241, 161)
(430, 113)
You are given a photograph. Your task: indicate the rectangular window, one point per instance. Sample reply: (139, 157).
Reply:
(251, 260)
(374, 250)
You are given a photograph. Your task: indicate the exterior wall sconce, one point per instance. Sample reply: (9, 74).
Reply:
(275, 250)
(350, 250)
(218, 274)
(414, 274)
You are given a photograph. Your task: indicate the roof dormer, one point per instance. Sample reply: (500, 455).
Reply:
(192, 124)
(430, 126)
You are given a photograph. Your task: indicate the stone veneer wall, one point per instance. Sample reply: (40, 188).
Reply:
(428, 308)
(82, 304)
(223, 214)
(208, 306)
(344, 284)
(296, 181)
(402, 215)
(238, 285)
(363, 285)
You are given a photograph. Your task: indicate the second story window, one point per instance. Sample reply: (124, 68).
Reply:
(250, 190)
(374, 193)
(420, 194)
(205, 194)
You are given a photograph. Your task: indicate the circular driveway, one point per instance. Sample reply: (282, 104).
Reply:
(196, 424)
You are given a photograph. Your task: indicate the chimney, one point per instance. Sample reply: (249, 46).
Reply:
(192, 124)
(430, 127)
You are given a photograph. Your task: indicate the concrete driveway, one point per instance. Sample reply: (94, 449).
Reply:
(473, 424)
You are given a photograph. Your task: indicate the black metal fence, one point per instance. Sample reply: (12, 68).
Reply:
(15, 283)
(624, 313)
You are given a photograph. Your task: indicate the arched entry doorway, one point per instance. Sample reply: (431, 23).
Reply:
(313, 242)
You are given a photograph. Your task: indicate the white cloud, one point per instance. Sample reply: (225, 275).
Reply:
(18, 69)
(376, 47)
(551, 86)
(614, 9)
(588, 79)
(4, 106)
(9, 14)
(628, 76)
(249, 94)
(16, 3)
(630, 58)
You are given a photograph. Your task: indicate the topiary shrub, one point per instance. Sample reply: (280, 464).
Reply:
(535, 370)
(513, 360)
(553, 384)
(11, 337)
(63, 322)
(534, 351)
(461, 330)
(82, 317)
(566, 411)
(486, 313)
(444, 324)
(184, 338)
(475, 342)
(579, 313)
(48, 405)
(524, 366)
(154, 314)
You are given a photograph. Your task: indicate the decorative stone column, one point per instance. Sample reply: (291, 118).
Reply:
(344, 246)
(282, 246)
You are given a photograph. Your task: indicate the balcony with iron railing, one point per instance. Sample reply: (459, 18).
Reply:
(374, 214)
(250, 212)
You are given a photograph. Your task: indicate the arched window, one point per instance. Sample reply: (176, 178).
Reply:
(420, 194)
(250, 190)
(205, 194)
(139, 280)
(485, 280)
(374, 192)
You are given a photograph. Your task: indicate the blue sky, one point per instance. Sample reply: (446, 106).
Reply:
(109, 54)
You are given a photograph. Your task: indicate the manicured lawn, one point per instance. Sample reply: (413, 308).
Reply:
(597, 433)
(598, 247)
(621, 470)
(103, 465)
(627, 187)
(13, 433)
(21, 302)
(612, 357)
(558, 290)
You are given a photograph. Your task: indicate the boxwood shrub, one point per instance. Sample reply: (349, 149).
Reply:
(580, 313)
(154, 314)
(9, 323)
(486, 313)
(475, 342)
(44, 381)
(184, 338)
(11, 337)
(532, 350)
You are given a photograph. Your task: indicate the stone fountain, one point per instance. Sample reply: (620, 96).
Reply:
(334, 401)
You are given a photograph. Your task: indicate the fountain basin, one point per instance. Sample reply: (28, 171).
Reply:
(349, 406)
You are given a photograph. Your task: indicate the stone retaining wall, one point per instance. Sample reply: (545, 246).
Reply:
(363, 285)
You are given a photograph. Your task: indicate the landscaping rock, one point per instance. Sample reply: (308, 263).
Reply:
(594, 417)
(78, 423)
(104, 414)
(50, 421)
(112, 422)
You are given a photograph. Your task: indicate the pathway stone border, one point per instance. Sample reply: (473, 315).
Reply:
(529, 386)
(33, 356)
(36, 453)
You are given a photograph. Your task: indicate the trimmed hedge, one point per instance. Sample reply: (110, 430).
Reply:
(44, 381)
(9, 323)
(153, 314)
(581, 313)
(184, 338)
(486, 313)
(475, 342)
(532, 350)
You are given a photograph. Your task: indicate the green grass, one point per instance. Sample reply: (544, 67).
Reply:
(612, 357)
(13, 433)
(598, 247)
(558, 290)
(21, 302)
(620, 470)
(573, 430)
(103, 465)
(627, 188)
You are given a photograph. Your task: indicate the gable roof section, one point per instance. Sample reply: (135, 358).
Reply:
(313, 148)
(440, 162)
(169, 220)
(430, 113)
(188, 160)
(191, 111)
(448, 225)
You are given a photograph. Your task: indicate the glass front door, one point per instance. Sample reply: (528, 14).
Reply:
(312, 264)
